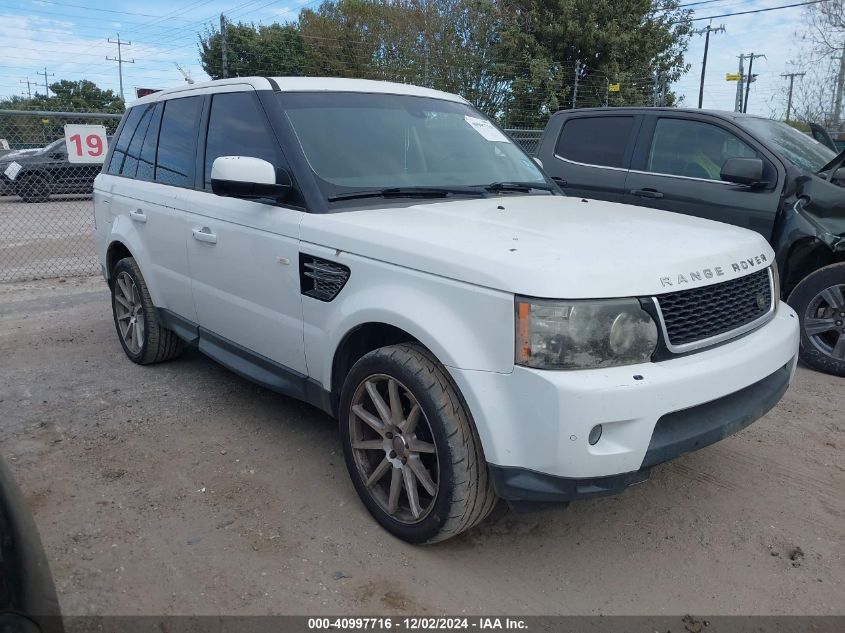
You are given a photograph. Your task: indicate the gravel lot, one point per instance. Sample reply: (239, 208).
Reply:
(46, 239)
(182, 489)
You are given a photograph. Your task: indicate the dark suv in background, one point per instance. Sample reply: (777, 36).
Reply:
(46, 172)
(741, 169)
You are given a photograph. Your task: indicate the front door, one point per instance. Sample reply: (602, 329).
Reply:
(677, 166)
(244, 254)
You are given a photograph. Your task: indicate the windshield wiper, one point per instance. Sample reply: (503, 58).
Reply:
(521, 187)
(407, 192)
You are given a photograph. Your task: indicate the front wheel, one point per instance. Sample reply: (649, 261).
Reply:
(411, 448)
(819, 300)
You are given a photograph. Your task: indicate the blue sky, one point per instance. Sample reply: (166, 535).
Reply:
(69, 38)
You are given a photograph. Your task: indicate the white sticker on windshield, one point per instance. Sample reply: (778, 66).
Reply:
(486, 129)
(12, 170)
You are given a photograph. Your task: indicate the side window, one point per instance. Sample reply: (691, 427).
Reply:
(147, 159)
(693, 149)
(236, 127)
(595, 140)
(176, 141)
(122, 142)
(133, 152)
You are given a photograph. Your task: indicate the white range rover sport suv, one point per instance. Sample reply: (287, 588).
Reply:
(386, 253)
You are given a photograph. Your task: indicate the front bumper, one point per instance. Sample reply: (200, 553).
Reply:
(675, 434)
(534, 424)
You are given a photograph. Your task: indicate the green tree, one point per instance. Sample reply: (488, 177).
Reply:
(443, 44)
(70, 96)
(635, 43)
(271, 50)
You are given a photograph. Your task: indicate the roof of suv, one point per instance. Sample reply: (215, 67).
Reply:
(299, 84)
(727, 114)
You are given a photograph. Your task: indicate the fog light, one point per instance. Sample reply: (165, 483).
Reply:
(595, 434)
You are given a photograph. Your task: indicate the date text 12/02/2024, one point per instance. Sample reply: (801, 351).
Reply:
(412, 624)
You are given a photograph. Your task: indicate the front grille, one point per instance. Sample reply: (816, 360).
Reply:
(701, 313)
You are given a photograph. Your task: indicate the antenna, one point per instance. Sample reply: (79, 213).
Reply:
(185, 73)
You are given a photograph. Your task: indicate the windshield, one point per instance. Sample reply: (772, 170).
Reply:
(359, 141)
(799, 149)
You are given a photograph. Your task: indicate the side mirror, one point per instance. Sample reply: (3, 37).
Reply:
(247, 177)
(743, 171)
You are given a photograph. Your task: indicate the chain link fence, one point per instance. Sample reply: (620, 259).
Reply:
(46, 212)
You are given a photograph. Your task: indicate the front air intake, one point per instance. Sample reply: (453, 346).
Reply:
(321, 278)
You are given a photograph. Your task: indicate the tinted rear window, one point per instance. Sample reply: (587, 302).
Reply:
(130, 163)
(146, 163)
(595, 140)
(122, 142)
(177, 138)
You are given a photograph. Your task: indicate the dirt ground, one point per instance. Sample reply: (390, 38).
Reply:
(182, 489)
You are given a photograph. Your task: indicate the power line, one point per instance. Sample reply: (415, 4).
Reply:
(785, 6)
(89, 8)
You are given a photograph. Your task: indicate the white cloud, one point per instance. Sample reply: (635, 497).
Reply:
(772, 34)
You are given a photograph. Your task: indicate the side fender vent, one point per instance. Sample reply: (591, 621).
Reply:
(320, 278)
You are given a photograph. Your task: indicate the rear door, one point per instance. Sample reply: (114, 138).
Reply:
(676, 167)
(244, 254)
(154, 156)
(591, 153)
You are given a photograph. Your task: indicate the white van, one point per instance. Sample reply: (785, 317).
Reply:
(386, 253)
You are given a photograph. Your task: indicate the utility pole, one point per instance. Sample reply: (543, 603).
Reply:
(707, 31)
(120, 61)
(739, 84)
(658, 88)
(223, 46)
(751, 57)
(837, 99)
(578, 69)
(46, 87)
(792, 77)
(28, 86)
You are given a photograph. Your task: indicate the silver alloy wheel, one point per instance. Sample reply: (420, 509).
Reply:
(390, 435)
(129, 312)
(824, 321)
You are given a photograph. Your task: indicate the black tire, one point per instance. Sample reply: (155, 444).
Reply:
(464, 494)
(34, 188)
(820, 351)
(157, 344)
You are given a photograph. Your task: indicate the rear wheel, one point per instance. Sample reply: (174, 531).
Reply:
(411, 448)
(141, 334)
(819, 300)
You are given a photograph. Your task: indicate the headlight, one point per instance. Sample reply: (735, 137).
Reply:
(583, 334)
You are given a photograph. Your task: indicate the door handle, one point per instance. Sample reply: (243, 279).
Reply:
(138, 215)
(654, 194)
(205, 235)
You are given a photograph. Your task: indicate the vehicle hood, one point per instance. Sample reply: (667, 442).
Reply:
(546, 246)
